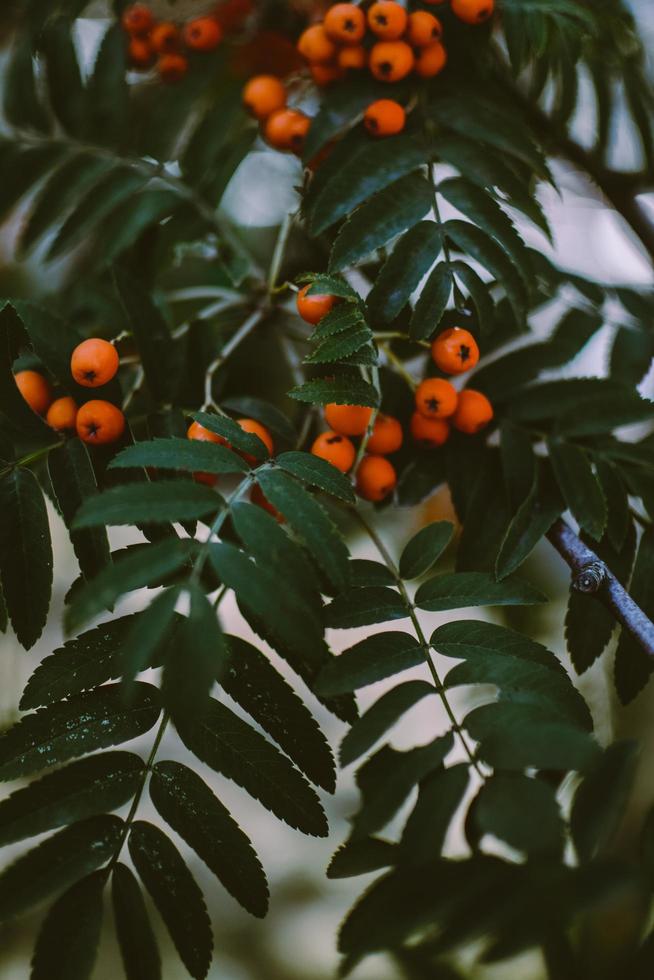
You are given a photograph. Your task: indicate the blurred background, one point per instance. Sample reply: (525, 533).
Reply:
(297, 940)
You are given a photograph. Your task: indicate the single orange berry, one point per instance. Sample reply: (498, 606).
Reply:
(376, 478)
(94, 362)
(140, 53)
(258, 497)
(455, 351)
(473, 11)
(345, 23)
(326, 74)
(62, 414)
(263, 95)
(315, 44)
(429, 432)
(313, 307)
(256, 429)
(165, 38)
(348, 420)
(203, 34)
(286, 129)
(473, 412)
(99, 422)
(436, 399)
(35, 389)
(353, 57)
(336, 449)
(172, 67)
(387, 436)
(431, 61)
(387, 20)
(385, 117)
(390, 61)
(137, 19)
(423, 29)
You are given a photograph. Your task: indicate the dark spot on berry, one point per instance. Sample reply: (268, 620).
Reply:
(464, 353)
(386, 67)
(349, 25)
(431, 404)
(90, 375)
(372, 123)
(334, 439)
(484, 13)
(382, 20)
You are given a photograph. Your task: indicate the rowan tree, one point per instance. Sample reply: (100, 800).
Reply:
(226, 355)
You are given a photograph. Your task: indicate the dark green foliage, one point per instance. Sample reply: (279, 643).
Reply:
(67, 944)
(138, 945)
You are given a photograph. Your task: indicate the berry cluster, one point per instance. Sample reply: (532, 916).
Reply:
(384, 38)
(93, 363)
(166, 45)
(439, 406)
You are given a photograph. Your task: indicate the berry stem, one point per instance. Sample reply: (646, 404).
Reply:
(374, 376)
(422, 639)
(29, 458)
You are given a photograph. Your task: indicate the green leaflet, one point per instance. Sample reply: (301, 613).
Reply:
(632, 664)
(25, 554)
(138, 944)
(180, 454)
(175, 893)
(390, 212)
(579, 486)
(599, 802)
(57, 863)
(476, 244)
(154, 503)
(425, 548)
(363, 606)
(344, 390)
(439, 795)
(231, 747)
(381, 716)
(522, 812)
(254, 684)
(67, 943)
(459, 590)
(431, 303)
(82, 789)
(413, 256)
(370, 660)
(318, 473)
(189, 806)
(357, 857)
(71, 728)
(191, 662)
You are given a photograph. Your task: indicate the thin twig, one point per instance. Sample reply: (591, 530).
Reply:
(234, 341)
(591, 575)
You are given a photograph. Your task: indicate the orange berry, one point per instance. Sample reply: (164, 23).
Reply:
(201, 434)
(312, 308)
(263, 95)
(473, 412)
(352, 57)
(258, 497)
(94, 362)
(259, 430)
(390, 61)
(429, 432)
(385, 117)
(473, 11)
(455, 351)
(203, 34)
(99, 422)
(35, 389)
(387, 436)
(336, 449)
(165, 38)
(348, 420)
(387, 20)
(423, 29)
(345, 23)
(436, 399)
(315, 44)
(376, 478)
(431, 61)
(172, 67)
(137, 19)
(140, 53)
(62, 414)
(326, 74)
(286, 129)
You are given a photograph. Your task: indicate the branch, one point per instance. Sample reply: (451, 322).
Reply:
(592, 576)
